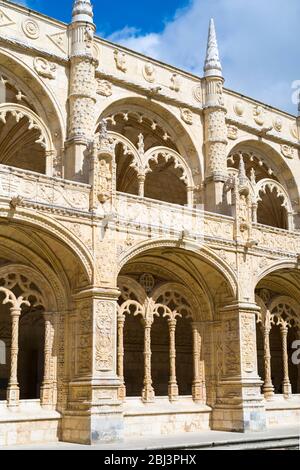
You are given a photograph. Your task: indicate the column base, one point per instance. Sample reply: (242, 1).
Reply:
(173, 392)
(148, 395)
(239, 409)
(13, 396)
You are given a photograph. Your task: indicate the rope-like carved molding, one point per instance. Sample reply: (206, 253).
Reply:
(35, 122)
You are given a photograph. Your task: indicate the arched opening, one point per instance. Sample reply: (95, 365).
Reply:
(150, 158)
(271, 202)
(271, 210)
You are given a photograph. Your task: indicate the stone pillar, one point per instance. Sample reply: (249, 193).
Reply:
(198, 388)
(286, 384)
(148, 391)
(190, 196)
(94, 412)
(141, 180)
(47, 388)
(13, 391)
(122, 388)
(82, 96)
(173, 387)
(268, 387)
(239, 405)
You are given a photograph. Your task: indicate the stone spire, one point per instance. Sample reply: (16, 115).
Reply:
(212, 66)
(82, 11)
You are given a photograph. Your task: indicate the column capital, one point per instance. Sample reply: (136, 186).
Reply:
(100, 293)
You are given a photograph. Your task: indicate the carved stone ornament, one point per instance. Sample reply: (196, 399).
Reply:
(104, 88)
(60, 41)
(149, 72)
(31, 29)
(277, 123)
(120, 60)
(294, 132)
(259, 115)
(186, 116)
(232, 132)
(147, 281)
(45, 68)
(197, 92)
(239, 108)
(287, 151)
(5, 20)
(175, 83)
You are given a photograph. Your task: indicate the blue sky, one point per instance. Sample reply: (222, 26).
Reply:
(258, 39)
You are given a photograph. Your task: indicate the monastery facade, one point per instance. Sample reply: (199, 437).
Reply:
(149, 243)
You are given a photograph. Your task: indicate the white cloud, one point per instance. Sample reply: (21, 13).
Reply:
(258, 43)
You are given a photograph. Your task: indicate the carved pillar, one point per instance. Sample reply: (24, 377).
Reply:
(190, 196)
(141, 180)
(254, 213)
(82, 96)
(94, 411)
(199, 378)
(47, 388)
(13, 391)
(148, 391)
(268, 387)
(286, 384)
(239, 404)
(298, 355)
(173, 387)
(122, 388)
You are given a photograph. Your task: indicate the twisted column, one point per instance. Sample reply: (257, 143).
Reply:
(268, 387)
(148, 391)
(47, 386)
(122, 388)
(13, 391)
(173, 387)
(198, 382)
(286, 385)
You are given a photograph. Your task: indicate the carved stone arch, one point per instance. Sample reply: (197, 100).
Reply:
(262, 185)
(288, 307)
(45, 100)
(169, 154)
(132, 286)
(34, 122)
(190, 306)
(278, 265)
(58, 231)
(129, 149)
(277, 164)
(165, 116)
(9, 247)
(46, 296)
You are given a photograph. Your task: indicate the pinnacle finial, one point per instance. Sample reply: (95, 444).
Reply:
(212, 66)
(82, 11)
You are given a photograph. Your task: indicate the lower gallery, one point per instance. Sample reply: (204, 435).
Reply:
(149, 243)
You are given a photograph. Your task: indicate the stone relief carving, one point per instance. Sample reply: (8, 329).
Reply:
(294, 132)
(60, 41)
(104, 312)
(120, 60)
(31, 29)
(175, 83)
(259, 115)
(239, 108)
(232, 132)
(248, 343)
(5, 20)
(45, 68)
(149, 72)
(277, 124)
(104, 87)
(186, 116)
(197, 92)
(287, 151)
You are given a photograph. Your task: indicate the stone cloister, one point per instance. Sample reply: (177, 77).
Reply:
(149, 243)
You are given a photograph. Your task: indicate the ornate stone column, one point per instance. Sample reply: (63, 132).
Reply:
(13, 391)
(122, 388)
(239, 404)
(47, 388)
(190, 196)
(94, 412)
(268, 387)
(173, 386)
(215, 127)
(286, 384)
(198, 389)
(148, 394)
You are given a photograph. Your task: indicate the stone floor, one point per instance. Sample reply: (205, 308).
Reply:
(279, 437)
